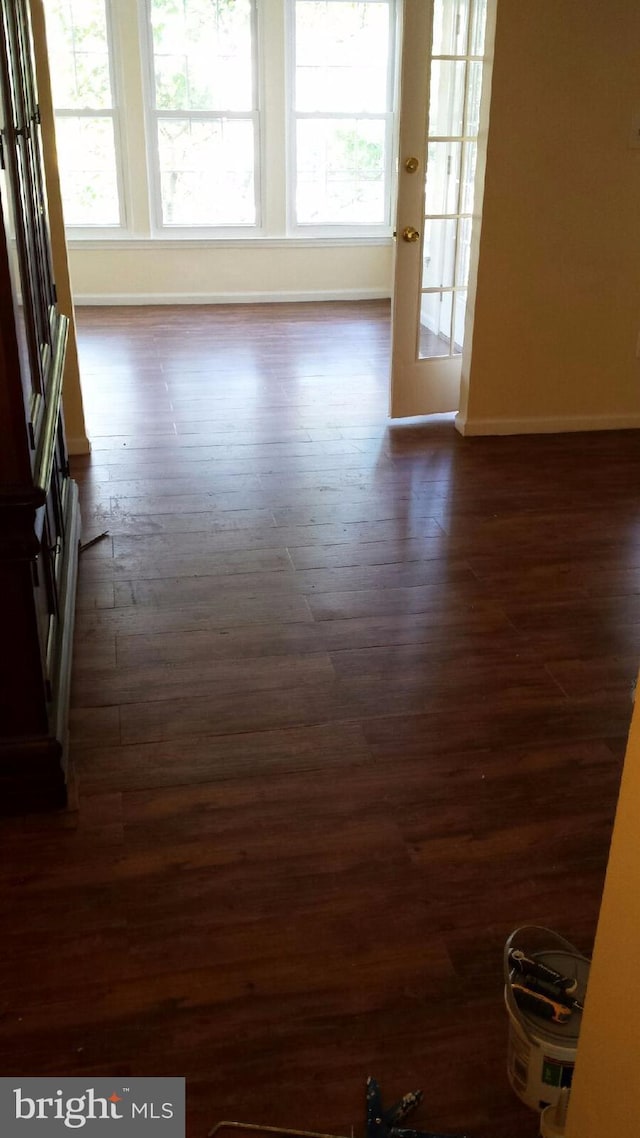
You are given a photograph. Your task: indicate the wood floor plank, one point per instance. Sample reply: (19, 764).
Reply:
(352, 502)
(450, 631)
(126, 523)
(350, 553)
(224, 564)
(433, 576)
(394, 599)
(222, 532)
(216, 612)
(365, 510)
(118, 685)
(227, 714)
(193, 760)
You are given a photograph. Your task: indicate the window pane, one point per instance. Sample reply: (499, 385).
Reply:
(342, 51)
(203, 55)
(446, 100)
(443, 176)
(206, 171)
(341, 171)
(171, 82)
(79, 54)
(450, 23)
(88, 179)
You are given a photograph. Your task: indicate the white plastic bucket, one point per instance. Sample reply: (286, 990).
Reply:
(541, 1054)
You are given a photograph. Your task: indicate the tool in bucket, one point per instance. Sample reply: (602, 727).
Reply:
(545, 985)
(541, 989)
(381, 1123)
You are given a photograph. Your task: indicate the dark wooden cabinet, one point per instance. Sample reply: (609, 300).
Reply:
(39, 516)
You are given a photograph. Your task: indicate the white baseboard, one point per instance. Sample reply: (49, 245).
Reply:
(551, 426)
(151, 298)
(79, 445)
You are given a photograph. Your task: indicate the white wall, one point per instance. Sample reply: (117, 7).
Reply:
(161, 272)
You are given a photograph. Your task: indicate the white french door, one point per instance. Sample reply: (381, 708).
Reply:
(441, 86)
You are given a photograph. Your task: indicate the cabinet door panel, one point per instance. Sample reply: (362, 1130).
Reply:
(26, 205)
(39, 511)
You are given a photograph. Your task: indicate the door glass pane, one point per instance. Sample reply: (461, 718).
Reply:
(478, 27)
(446, 309)
(202, 55)
(439, 253)
(450, 23)
(341, 167)
(435, 324)
(459, 316)
(446, 101)
(464, 250)
(474, 82)
(88, 179)
(468, 176)
(206, 171)
(455, 94)
(443, 176)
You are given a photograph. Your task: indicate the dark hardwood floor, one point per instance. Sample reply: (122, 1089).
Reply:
(350, 704)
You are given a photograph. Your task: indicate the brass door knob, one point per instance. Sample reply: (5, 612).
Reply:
(410, 234)
(411, 165)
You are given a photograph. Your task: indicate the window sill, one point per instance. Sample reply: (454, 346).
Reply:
(120, 242)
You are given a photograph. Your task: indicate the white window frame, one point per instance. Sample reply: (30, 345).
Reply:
(293, 116)
(137, 166)
(117, 229)
(152, 115)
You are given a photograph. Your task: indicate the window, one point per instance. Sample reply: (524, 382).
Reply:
(239, 118)
(82, 88)
(204, 111)
(343, 111)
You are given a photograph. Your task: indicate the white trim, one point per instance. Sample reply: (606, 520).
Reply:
(118, 119)
(151, 298)
(147, 75)
(290, 131)
(79, 445)
(120, 244)
(552, 426)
